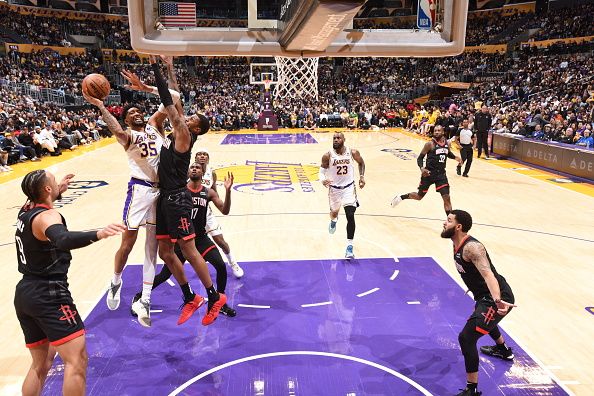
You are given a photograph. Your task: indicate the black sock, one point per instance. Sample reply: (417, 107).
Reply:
(471, 386)
(188, 293)
(212, 294)
(404, 196)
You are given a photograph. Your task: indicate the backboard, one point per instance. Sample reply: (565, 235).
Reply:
(444, 35)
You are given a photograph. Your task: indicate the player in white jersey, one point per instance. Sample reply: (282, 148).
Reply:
(142, 143)
(213, 228)
(338, 174)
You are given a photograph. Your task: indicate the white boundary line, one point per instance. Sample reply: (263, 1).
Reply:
(170, 282)
(413, 302)
(253, 306)
(394, 275)
(293, 353)
(368, 292)
(316, 304)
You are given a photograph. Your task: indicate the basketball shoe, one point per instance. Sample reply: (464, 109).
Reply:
(189, 307)
(396, 200)
(142, 309)
(237, 270)
(113, 295)
(498, 351)
(349, 252)
(213, 310)
(228, 311)
(332, 227)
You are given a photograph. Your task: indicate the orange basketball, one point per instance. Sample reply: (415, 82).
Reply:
(96, 85)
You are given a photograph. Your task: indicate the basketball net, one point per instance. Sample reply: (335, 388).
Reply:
(267, 85)
(297, 78)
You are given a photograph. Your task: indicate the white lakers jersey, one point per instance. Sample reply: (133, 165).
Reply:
(341, 169)
(143, 153)
(207, 178)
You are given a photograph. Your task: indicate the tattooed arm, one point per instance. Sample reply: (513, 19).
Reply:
(359, 159)
(475, 252)
(123, 137)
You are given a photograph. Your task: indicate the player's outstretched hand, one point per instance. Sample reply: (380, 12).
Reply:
(229, 180)
(135, 82)
(111, 230)
(91, 100)
(63, 185)
(503, 307)
(153, 59)
(167, 59)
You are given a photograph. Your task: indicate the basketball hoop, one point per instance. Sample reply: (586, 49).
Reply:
(267, 83)
(297, 78)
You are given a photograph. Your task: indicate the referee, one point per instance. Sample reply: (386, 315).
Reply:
(467, 139)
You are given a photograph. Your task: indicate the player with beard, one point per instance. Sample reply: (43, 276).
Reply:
(491, 292)
(337, 172)
(437, 151)
(213, 228)
(44, 307)
(201, 197)
(142, 143)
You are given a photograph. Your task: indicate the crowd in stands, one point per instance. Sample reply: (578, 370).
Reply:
(543, 94)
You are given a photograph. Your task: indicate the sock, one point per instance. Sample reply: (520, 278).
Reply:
(188, 293)
(146, 291)
(471, 386)
(230, 258)
(117, 278)
(404, 196)
(213, 296)
(349, 242)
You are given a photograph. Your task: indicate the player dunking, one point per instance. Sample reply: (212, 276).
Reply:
(174, 223)
(142, 143)
(493, 296)
(46, 312)
(337, 172)
(201, 197)
(213, 228)
(433, 171)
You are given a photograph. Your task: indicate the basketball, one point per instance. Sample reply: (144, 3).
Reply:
(96, 85)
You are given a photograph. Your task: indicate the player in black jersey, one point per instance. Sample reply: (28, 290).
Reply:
(174, 223)
(201, 196)
(493, 296)
(433, 171)
(44, 307)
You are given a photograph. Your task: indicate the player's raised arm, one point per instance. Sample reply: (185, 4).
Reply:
(223, 206)
(122, 136)
(180, 129)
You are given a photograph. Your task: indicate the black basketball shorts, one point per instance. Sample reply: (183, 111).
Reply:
(485, 315)
(174, 210)
(46, 312)
(441, 184)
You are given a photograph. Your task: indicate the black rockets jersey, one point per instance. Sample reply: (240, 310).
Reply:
(473, 278)
(173, 166)
(437, 157)
(35, 257)
(199, 209)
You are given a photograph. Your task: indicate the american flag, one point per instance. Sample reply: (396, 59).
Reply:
(177, 14)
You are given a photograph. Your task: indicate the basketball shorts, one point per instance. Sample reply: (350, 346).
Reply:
(213, 228)
(441, 184)
(485, 316)
(342, 196)
(46, 312)
(141, 204)
(174, 210)
(204, 245)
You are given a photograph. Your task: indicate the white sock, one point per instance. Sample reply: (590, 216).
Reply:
(334, 220)
(230, 257)
(150, 262)
(117, 278)
(350, 242)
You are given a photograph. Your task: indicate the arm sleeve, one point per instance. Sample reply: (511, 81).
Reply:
(420, 159)
(322, 174)
(59, 235)
(451, 155)
(175, 95)
(162, 86)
